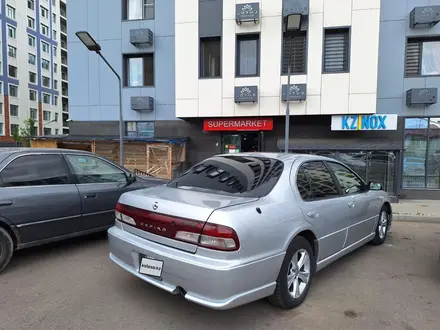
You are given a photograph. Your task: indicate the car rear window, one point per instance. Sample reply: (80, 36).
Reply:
(232, 175)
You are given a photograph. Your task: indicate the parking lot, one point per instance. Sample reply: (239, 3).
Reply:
(73, 285)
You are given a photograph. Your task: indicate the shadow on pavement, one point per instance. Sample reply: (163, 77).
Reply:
(49, 251)
(259, 314)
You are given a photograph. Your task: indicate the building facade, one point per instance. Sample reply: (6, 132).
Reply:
(137, 38)
(30, 79)
(363, 83)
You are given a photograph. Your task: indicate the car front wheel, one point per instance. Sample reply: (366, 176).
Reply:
(382, 227)
(6, 248)
(295, 276)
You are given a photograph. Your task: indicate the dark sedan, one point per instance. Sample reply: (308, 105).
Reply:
(54, 194)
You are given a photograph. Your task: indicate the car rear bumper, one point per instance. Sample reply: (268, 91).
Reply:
(205, 282)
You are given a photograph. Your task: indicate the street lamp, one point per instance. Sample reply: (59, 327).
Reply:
(292, 25)
(93, 46)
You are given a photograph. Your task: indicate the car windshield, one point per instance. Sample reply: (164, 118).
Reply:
(233, 175)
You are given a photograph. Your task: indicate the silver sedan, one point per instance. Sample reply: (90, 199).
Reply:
(238, 228)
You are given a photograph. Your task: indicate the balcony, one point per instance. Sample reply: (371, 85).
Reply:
(63, 13)
(63, 44)
(63, 29)
(64, 76)
(64, 60)
(64, 92)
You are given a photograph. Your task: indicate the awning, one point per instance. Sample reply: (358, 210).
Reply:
(341, 144)
(84, 138)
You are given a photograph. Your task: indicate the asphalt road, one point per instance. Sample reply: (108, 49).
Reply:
(73, 285)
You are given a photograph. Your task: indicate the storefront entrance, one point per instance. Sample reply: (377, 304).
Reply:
(242, 142)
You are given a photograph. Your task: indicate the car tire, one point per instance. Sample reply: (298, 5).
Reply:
(291, 289)
(383, 224)
(6, 248)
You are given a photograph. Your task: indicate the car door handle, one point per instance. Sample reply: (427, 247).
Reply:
(313, 214)
(6, 203)
(90, 196)
(351, 205)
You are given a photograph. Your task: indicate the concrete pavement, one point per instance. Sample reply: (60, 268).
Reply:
(417, 210)
(73, 285)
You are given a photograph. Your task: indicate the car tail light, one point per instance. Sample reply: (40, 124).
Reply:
(207, 235)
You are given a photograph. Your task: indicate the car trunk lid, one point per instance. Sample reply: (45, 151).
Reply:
(160, 212)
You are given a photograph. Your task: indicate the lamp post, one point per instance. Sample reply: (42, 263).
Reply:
(93, 46)
(292, 25)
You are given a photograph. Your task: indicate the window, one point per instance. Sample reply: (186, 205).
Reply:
(210, 57)
(45, 64)
(55, 100)
(303, 185)
(13, 90)
(421, 157)
(12, 51)
(2, 131)
(14, 129)
(12, 32)
(56, 117)
(321, 182)
(32, 77)
(46, 82)
(89, 169)
(248, 55)
(12, 71)
(54, 16)
(298, 50)
(45, 30)
(1, 87)
(422, 57)
(234, 175)
(44, 12)
(46, 115)
(1, 108)
(33, 113)
(336, 50)
(55, 84)
(54, 35)
(46, 98)
(32, 59)
(13, 110)
(57, 131)
(31, 40)
(55, 51)
(47, 131)
(45, 47)
(35, 170)
(31, 23)
(138, 9)
(31, 4)
(32, 95)
(139, 70)
(55, 68)
(10, 12)
(350, 183)
(140, 128)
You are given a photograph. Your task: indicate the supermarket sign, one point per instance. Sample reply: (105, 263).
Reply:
(364, 123)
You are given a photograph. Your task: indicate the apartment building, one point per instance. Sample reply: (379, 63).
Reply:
(137, 38)
(363, 84)
(30, 70)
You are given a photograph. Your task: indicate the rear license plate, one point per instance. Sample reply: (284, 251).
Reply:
(151, 267)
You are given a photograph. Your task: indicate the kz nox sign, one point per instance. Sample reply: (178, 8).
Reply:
(364, 123)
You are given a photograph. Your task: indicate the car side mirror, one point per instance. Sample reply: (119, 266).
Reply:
(375, 186)
(131, 178)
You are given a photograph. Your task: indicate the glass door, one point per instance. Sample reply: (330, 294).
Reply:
(231, 143)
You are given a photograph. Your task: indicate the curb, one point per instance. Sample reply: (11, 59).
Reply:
(416, 218)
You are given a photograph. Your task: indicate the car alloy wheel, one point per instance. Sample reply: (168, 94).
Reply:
(298, 274)
(383, 224)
